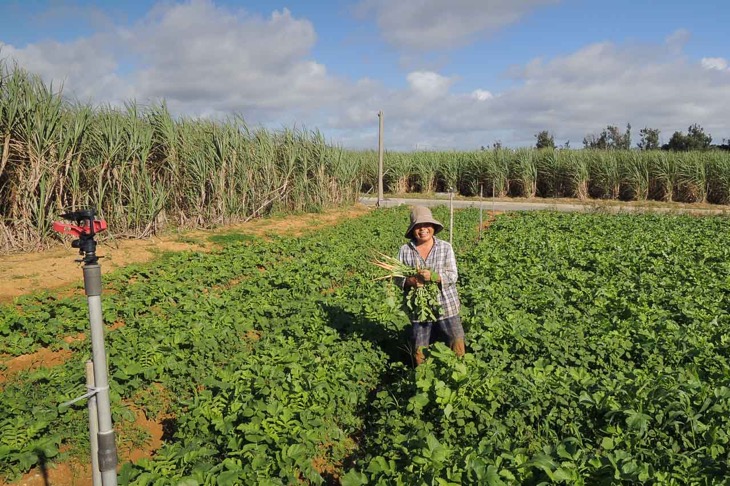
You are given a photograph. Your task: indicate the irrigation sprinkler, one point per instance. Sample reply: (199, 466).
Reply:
(85, 229)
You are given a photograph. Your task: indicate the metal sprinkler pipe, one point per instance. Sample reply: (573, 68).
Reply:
(93, 425)
(85, 229)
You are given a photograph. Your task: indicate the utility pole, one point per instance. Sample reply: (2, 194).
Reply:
(85, 229)
(380, 158)
(481, 209)
(451, 215)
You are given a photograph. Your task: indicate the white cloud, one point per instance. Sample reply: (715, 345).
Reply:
(677, 40)
(234, 61)
(570, 96)
(429, 84)
(612, 84)
(716, 63)
(83, 67)
(439, 24)
(481, 95)
(200, 57)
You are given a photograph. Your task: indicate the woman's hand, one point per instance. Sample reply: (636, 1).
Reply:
(415, 281)
(428, 276)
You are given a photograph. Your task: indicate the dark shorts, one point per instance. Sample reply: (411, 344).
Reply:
(450, 327)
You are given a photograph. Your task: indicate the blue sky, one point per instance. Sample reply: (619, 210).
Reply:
(455, 74)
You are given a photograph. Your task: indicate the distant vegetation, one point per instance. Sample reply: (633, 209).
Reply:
(696, 176)
(612, 138)
(145, 169)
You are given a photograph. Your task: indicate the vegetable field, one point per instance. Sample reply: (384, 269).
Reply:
(598, 351)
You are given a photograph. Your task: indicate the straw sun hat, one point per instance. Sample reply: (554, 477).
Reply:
(422, 215)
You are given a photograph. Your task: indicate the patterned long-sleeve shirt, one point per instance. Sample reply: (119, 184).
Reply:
(441, 260)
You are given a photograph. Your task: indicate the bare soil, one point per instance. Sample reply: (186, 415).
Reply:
(55, 270)
(44, 357)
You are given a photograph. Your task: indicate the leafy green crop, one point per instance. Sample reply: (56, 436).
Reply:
(421, 301)
(598, 353)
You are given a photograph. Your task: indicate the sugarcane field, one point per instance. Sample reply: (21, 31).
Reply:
(199, 300)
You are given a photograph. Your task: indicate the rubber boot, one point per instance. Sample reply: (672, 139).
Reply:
(419, 357)
(458, 347)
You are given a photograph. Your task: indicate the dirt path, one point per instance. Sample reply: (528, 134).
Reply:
(55, 268)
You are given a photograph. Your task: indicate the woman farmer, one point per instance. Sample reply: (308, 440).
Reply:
(437, 263)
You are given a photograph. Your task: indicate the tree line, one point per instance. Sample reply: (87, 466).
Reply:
(612, 138)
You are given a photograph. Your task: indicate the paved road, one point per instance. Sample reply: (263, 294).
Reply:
(488, 205)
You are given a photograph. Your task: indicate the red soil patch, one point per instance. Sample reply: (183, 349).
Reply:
(44, 357)
(115, 326)
(72, 339)
(252, 335)
(323, 463)
(63, 474)
(152, 427)
(490, 217)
